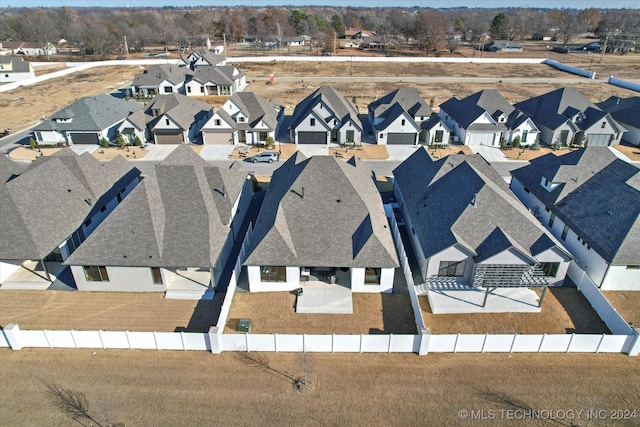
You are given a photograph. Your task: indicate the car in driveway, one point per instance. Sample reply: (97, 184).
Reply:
(264, 157)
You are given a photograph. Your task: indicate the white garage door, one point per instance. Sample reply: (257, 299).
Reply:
(217, 138)
(595, 140)
(481, 139)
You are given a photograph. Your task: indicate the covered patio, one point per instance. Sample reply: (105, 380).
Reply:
(190, 283)
(32, 274)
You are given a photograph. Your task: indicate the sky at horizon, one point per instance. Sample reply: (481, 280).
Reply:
(572, 4)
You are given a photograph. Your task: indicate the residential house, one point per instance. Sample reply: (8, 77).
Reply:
(323, 117)
(486, 118)
(15, 68)
(245, 118)
(626, 112)
(48, 209)
(28, 48)
(215, 80)
(322, 218)
(159, 79)
(503, 46)
(468, 229)
(374, 43)
(396, 117)
(357, 34)
(9, 169)
(296, 41)
(434, 131)
(89, 120)
(202, 57)
(590, 200)
(566, 117)
(167, 119)
(173, 234)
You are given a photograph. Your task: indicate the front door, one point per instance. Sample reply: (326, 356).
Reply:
(242, 136)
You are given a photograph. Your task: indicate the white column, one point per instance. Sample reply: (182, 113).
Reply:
(14, 336)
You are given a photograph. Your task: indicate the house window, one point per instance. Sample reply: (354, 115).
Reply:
(262, 136)
(526, 190)
(201, 89)
(565, 231)
(551, 219)
(241, 119)
(633, 267)
(381, 135)
(156, 275)
(403, 122)
(188, 89)
(564, 135)
(87, 222)
(550, 268)
(312, 122)
(602, 126)
(439, 136)
(166, 121)
(95, 274)
(451, 268)
(218, 122)
(273, 274)
(351, 135)
(119, 197)
(38, 136)
(335, 122)
(372, 276)
(168, 89)
(104, 208)
(524, 135)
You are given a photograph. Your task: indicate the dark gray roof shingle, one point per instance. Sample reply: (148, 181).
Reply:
(343, 109)
(407, 97)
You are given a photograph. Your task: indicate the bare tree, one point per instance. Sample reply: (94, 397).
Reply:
(72, 403)
(568, 26)
(39, 26)
(589, 19)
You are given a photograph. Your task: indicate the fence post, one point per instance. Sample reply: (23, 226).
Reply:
(425, 336)
(14, 336)
(634, 348)
(73, 338)
(275, 342)
(389, 346)
(214, 340)
(101, 340)
(46, 337)
(126, 334)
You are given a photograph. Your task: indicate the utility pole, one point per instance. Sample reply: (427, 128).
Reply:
(604, 48)
(126, 47)
(335, 42)
(224, 42)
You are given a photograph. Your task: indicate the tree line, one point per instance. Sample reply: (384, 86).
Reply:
(102, 30)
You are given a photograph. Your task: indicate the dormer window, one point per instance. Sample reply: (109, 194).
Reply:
(312, 122)
(166, 121)
(603, 125)
(403, 122)
(241, 119)
(218, 122)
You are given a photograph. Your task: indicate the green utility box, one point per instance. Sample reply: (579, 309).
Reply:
(244, 326)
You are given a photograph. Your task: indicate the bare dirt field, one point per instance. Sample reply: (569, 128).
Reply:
(627, 303)
(564, 311)
(273, 312)
(115, 311)
(176, 388)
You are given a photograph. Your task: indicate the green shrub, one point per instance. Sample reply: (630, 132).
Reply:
(516, 142)
(137, 142)
(32, 143)
(104, 142)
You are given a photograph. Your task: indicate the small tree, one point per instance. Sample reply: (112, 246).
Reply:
(32, 143)
(269, 141)
(104, 142)
(121, 141)
(516, 142)
(137, 141)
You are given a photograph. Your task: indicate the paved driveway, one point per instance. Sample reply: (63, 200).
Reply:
(490, 154)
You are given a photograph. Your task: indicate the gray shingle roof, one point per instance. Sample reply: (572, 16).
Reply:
(90, 113)
(623, 110)
(465, 111)
(180, 108)
(439, 197)
(555, 108)
(255, 108)
(156, 74)
(9, 169)
(407, 97)
(18, 64)
(218, 75)
(181, 212)
(391, 114)
(341, 107)
(322, 212)
(598, 198)
(52, 198)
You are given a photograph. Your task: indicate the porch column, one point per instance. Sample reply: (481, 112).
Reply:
(14, 336)
(486, 294)
(46, 272)
(212, 282)
(544, 291)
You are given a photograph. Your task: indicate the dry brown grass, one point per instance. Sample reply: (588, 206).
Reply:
(24, 153)
(129, 153)
(274, 312)
(115, 311)
(627, 303)
(631, 151)
(529, 154)
(177, 388)
(440, 152)
(362, 151)
(564, 310)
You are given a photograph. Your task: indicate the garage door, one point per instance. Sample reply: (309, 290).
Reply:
(481, 139)
(401, 138)
(84, 138)
(217, 138)
(312, 137)
(595, 140)
(169, 138)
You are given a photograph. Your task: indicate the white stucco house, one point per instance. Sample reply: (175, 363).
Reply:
(89, 120)
(468, 229)
(245, 118)
(323, 117)
(486, 118)
(215, 80)
(625, 112)
(73, 194)
(14, 69)
(590, 200)
(188, 214)
(566, 117)
(159, 80)
(322, 219)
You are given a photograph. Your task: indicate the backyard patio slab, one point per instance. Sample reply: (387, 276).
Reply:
(464, 299)
(332, 299)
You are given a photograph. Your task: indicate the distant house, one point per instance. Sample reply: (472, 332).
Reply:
(203, 57)
(159, 80)
(49, 209)
(357, 34)
(625, 111)
(28, 48)
(15, 68)
(590, 200)
(89, 120)
(373, 43)
(468, 229)
(566, 117)
(173, 234)
(486, 118)
(322, 218)
(296, 41)
(168, 119)
(245, 118)
(323, 117)
(396, 117)
(503, 46)
(215, 80)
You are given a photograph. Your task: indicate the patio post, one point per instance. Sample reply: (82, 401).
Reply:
(486, 294)
(544, 291)
(214, 339)
(46, 272)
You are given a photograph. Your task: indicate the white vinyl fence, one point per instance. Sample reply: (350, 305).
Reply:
(624, 83)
